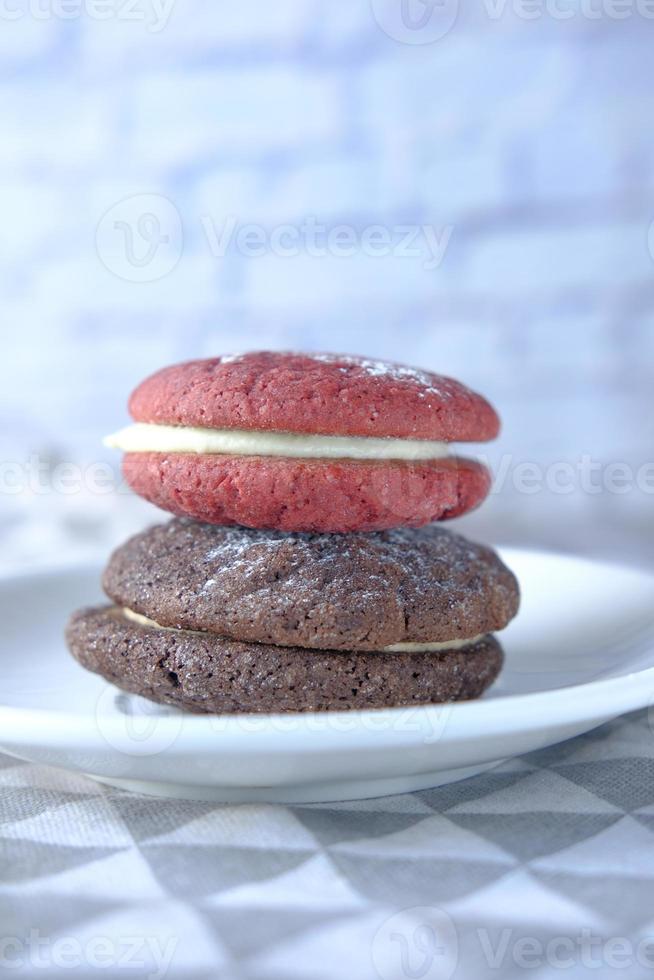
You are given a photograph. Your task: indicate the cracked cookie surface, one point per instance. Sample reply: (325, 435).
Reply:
(324, 591)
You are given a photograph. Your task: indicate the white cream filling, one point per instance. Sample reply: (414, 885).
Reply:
(144, 621)
(394, 648)
(433, 647)
(145, 438)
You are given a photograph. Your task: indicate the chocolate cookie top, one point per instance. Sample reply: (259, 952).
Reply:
(321, 591)
(329, 394)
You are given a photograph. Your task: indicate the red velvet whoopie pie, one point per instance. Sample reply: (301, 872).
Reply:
(305, 442)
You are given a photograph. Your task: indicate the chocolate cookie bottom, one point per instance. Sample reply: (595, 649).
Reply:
(202, 672)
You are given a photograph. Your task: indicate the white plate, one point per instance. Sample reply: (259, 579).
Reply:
(581, 652)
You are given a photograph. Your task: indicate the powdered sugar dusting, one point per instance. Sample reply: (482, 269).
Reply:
(250, 554)
(390, 370)
(430, 383)
(431, 559)
(232, 358)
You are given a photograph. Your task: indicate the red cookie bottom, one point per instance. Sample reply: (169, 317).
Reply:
(307, 495)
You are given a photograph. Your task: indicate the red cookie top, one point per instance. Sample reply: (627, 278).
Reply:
(326, 394)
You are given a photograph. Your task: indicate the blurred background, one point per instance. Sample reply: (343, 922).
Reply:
(467, 188)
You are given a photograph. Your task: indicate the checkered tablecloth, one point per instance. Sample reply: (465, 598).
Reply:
(542, 867)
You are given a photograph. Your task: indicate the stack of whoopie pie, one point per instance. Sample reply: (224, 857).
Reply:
(303, 571)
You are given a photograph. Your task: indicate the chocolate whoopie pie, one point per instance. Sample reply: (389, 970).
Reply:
(230, 619)
(305, 442)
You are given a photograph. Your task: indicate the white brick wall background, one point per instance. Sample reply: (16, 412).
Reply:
(530, 138)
